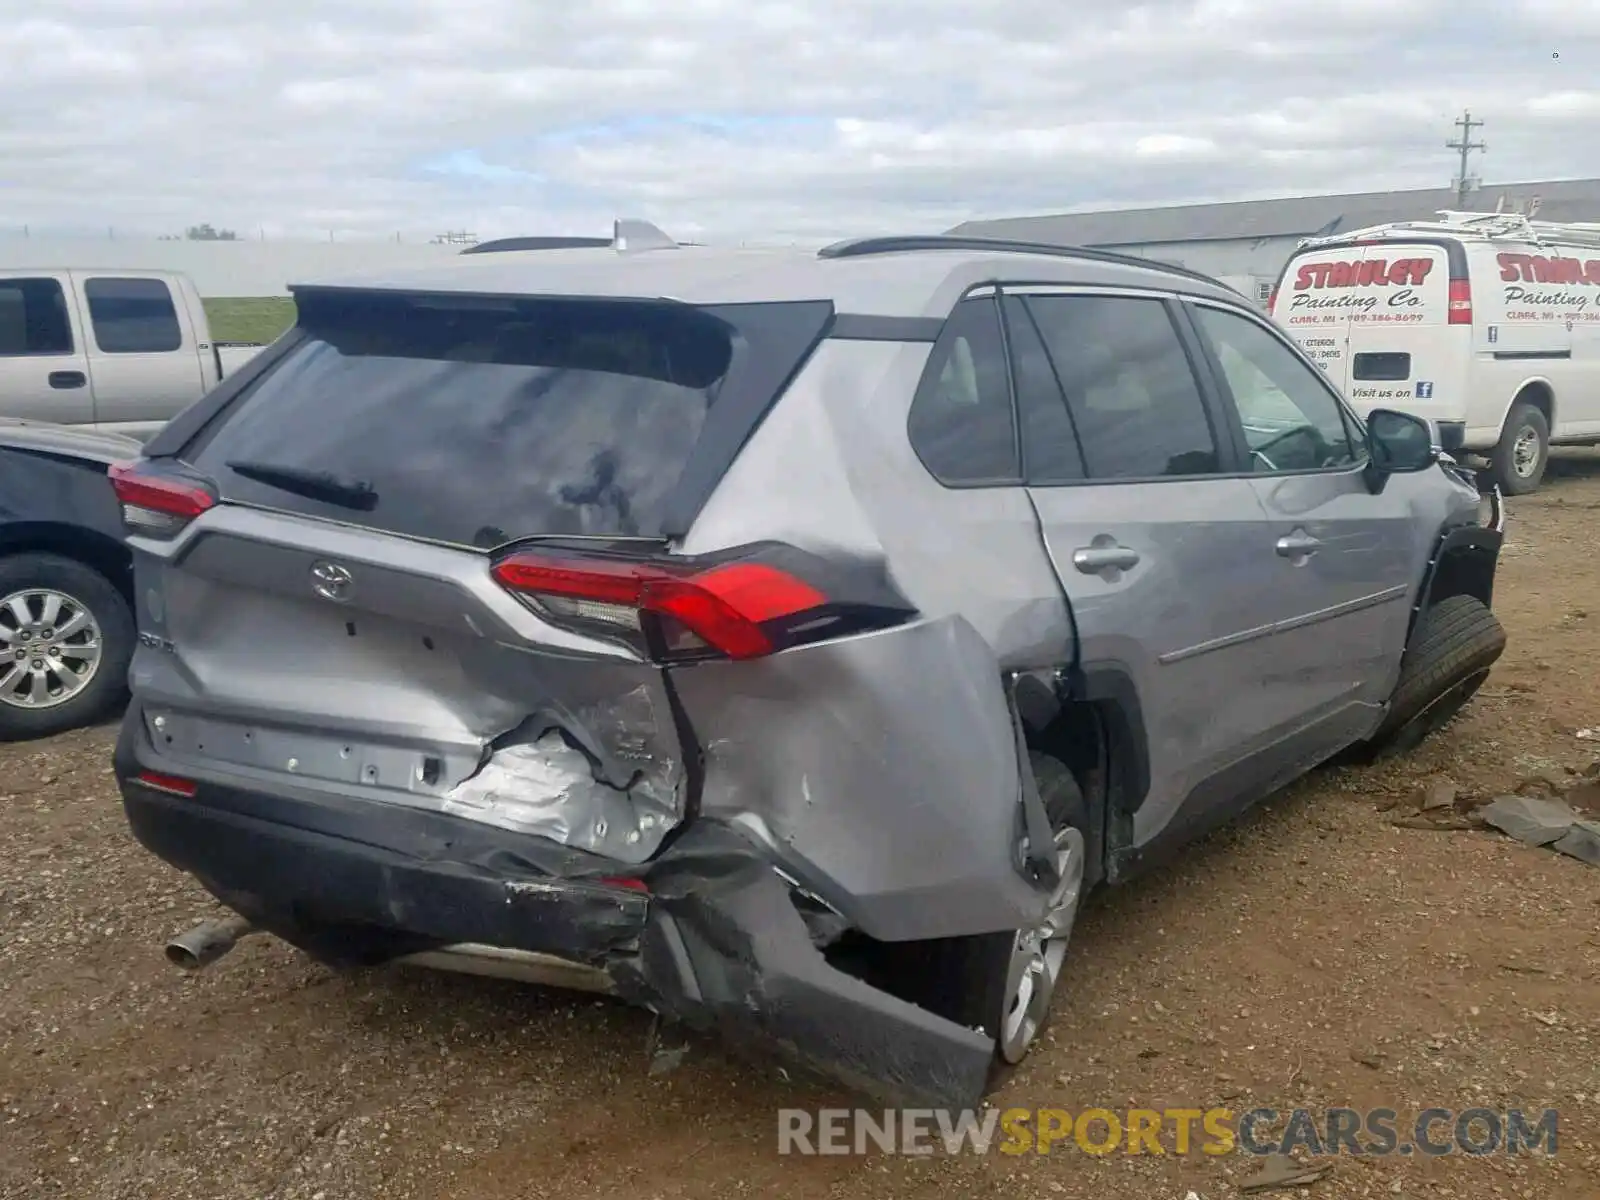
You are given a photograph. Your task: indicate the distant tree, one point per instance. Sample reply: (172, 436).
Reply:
(204, 233)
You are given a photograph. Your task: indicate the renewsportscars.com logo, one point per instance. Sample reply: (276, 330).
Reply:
(1377, 1132)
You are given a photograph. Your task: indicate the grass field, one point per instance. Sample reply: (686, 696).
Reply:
(251, 319)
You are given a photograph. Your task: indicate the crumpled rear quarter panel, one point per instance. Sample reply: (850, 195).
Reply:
(881, 769)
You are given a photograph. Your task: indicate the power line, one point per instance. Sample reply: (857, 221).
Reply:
(1465, 147)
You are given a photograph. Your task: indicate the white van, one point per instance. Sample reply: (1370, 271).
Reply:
(1487, 324)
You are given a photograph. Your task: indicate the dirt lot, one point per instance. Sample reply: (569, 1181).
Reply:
(1316, 955)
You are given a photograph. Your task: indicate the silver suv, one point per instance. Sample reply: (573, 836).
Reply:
(784, 642)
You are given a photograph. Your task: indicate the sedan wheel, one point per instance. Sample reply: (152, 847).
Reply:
(50, 648)
(66, 639)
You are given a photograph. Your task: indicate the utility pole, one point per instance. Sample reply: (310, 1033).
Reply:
(1465, 147)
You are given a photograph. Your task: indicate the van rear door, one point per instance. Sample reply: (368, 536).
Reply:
(1378, 318)
(1315, 316)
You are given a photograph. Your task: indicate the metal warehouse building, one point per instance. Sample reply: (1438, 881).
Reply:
(1246, 244)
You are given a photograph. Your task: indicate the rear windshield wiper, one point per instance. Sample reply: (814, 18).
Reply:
(315, 485)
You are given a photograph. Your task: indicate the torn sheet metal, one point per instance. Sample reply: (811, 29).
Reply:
(880, 771)
(591, 783)
(727, 951)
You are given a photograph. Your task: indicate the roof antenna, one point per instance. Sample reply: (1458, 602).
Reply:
(634, 237)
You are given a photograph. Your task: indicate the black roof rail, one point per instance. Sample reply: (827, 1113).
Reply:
(537, 243)
(860, 247)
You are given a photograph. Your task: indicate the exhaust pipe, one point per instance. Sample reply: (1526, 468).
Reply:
(207, 942)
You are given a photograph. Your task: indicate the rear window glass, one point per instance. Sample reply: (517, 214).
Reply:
(476, 422)
(1381, 366)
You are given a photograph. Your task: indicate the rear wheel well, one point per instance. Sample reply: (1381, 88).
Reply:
(1078, 736)
(91, 548)
(939, 974)
(1463, 571)
(1539, 395)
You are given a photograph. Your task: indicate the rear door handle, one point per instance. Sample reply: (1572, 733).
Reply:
(1297, 545)
(1093, 559)
(67, 379)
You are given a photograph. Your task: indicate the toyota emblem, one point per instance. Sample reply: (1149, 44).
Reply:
(331, 581)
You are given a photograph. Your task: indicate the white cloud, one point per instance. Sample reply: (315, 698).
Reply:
(770, 120)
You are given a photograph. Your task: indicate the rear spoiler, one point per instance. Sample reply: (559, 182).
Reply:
(627, 236)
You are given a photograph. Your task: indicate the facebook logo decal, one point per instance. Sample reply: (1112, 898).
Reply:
(1424, 390)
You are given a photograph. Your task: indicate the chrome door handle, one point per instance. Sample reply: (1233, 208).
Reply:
(1093, 559)
(1297, 544)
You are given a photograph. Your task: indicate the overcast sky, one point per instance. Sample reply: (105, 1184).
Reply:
(759, 120)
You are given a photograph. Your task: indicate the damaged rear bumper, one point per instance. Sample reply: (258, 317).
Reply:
(715, 941)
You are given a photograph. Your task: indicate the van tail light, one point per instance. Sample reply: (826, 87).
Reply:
(1460, 302)
(1272, 299)
(747, 604)
(155, 503)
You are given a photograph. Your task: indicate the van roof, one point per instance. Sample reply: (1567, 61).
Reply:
(1470, 227)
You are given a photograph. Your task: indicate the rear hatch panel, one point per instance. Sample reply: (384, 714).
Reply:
(329, 614)
(427, 685)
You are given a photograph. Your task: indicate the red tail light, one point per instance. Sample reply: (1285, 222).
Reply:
(1272, 300)
(154, 503)
(1460, 302)
(626, 882)
(173, 785)
(726, 608)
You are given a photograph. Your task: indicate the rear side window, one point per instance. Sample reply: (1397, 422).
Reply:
(132, 316)
(1381, 367)
(1134, 399)
(33, 318)
(961, 422)
(476, 425)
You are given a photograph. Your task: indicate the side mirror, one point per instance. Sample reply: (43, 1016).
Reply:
(1397, 444)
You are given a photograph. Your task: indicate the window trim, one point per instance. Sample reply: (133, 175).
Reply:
(94, 327)
(989, 292)
(1028, 479)
(1356, 427)
(68, 305)
(1223, 436)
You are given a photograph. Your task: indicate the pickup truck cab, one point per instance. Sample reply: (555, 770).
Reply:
(121, 351)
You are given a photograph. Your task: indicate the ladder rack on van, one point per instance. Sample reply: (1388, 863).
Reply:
(1489, 226)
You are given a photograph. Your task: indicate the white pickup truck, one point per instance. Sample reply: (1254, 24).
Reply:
(121, 351)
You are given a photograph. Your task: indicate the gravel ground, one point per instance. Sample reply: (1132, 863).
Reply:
(1316, 954)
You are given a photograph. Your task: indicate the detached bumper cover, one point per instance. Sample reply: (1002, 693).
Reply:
(717, 942)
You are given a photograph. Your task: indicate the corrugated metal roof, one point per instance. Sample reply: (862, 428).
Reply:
(1561, 200)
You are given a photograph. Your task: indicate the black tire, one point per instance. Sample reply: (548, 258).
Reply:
(100, 598)
(1455, 644)
(966, 976)
(1524, 421)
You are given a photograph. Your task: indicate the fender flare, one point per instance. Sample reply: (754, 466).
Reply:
(1464, 561)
